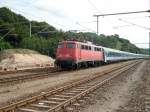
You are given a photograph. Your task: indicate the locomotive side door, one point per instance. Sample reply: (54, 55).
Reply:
(79, 52)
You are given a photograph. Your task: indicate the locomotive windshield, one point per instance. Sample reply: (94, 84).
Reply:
(70, 45)
(61, 45)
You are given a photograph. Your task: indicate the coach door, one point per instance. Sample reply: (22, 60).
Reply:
(104, 55)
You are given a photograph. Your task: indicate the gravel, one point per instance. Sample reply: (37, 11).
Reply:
(118, 94)
(12, 93)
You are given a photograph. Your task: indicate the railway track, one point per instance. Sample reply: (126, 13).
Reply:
(27, 77)
(25, 70)
(67, 97)
(147, 91)
(31, 76)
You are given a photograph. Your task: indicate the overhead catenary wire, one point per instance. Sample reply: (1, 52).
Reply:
(122, 13)
(146, 28)
(85, 27)
(133, 18)
(116, 27)
(92, 4)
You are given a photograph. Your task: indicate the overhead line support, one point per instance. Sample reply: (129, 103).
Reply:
(122, 13)
(113, 14)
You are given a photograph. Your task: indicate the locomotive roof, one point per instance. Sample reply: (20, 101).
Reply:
(83, 43)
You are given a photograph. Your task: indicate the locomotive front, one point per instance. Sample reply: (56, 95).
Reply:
(66, 54)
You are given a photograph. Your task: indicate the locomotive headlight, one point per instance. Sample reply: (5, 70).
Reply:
(60, 55)
(64, 56)
(67, 55)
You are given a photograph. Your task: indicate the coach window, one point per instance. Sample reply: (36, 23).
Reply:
(89, 47)
(61, 45)
(70, 45)
(86, 47)
(82, 46)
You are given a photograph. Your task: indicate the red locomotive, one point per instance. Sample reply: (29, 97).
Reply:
(74, 54)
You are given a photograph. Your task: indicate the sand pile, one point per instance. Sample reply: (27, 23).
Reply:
(16, 61)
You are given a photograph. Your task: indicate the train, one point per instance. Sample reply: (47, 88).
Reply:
(76, 54)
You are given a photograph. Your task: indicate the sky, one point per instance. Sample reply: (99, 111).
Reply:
(78, 15)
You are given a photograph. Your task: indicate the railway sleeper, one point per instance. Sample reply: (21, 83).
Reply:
(147, 103)
(49, 102)
(79, 89)
(147, 99)
(56, 99)
(84, 88)
(147, 109)
(147, 91)
(27, 110)
(40, 105)
(68, 94)
(73, 91)
(62, 96)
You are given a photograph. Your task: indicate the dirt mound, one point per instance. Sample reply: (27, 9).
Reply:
(23, 59)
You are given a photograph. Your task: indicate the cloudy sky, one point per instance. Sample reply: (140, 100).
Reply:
(78, 15)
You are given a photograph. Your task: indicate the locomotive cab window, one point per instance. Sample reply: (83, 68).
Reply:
(78, 46)
(70, 45)
(61, 45)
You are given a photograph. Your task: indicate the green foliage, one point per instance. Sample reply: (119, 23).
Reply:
(45, 46)
(45, 37)
(4, 45)
(145, 51)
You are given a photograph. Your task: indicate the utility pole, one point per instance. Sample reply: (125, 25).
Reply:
(97, 24)
(30, 29)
